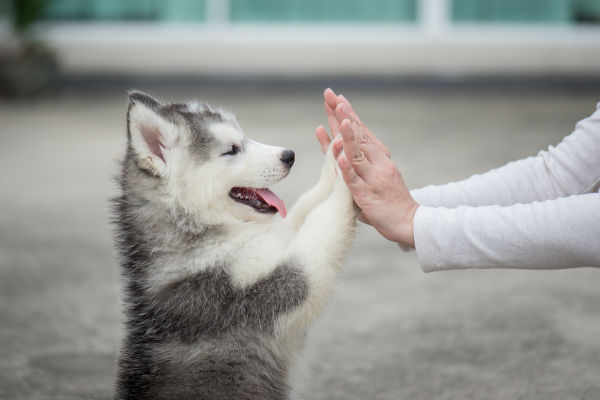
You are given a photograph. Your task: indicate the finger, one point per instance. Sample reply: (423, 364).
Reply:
(365, 139)
(353, 181)
(323, 138)
(330, 98)
(353, 152)
(368, 146)
(330, 103)
(334, 125)
(341, 99)
(344, 111)
(338, 147)
(354, 116)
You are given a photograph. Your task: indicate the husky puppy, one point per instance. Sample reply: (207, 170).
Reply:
(218, 288)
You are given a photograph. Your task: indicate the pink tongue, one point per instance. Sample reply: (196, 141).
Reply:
(271, 199)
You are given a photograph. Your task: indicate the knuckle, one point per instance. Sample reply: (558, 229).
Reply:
(349, 131)
(364, 138)
(358, 156)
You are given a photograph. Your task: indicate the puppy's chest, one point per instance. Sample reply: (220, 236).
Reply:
(210, 303)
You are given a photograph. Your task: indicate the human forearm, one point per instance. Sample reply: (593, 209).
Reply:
(520, 181)
(559, 233)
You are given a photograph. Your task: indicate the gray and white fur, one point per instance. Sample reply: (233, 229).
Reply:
(218, 290)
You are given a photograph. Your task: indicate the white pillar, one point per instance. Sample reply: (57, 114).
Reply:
(434, 16)
(217, 12)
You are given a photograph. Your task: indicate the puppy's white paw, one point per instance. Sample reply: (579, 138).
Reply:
(329, 173)
(340, 189)
(330, 160)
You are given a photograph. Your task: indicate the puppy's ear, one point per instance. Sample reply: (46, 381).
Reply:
(151, 136)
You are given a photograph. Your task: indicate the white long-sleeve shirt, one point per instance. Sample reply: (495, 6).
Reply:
(541, 212)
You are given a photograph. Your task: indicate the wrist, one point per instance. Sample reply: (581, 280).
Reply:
(404, 234)
(410, 238)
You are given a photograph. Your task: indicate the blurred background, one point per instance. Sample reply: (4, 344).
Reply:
(453, 87)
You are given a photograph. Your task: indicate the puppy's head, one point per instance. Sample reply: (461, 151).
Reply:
(197, 158)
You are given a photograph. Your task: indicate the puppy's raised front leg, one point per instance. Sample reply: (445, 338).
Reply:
(316, 195)
(321, 245)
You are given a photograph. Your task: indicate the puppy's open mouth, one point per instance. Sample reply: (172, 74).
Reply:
(262, 200)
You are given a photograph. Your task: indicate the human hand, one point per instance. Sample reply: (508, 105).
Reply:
(331, 102)
(374, 180)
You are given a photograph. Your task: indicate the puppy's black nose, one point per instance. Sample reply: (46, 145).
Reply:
(288, 157)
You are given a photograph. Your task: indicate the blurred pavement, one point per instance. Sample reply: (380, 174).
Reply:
(391, 332)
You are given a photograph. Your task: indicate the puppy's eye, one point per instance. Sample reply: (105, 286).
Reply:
(233, 150)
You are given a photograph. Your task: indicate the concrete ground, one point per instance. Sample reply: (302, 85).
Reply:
(391, 331)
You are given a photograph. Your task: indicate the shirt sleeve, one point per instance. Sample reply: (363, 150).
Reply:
(559, 233)
(572, 167)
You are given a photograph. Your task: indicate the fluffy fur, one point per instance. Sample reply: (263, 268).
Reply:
(217, 293)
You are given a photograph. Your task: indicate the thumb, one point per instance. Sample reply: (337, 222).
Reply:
(323, 138)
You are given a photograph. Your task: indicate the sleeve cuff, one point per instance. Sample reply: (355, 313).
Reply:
(429, 225)
(420, 222)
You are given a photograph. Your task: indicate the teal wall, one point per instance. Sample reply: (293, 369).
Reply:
(520, 11)
(147, 10)
(324, 10)
(368, 11)
(556, 11)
